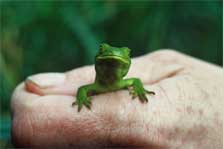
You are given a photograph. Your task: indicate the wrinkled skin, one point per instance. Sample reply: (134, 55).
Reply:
(111, 65)
(186, 111)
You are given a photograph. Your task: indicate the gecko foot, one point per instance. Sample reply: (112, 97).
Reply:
(140, 92)
(80, 102)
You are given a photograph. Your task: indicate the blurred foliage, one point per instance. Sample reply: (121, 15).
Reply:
(58, 36)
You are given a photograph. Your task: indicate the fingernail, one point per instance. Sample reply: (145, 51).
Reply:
(47, 80)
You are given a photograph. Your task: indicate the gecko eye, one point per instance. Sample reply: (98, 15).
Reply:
(127, 50)
(101, 48)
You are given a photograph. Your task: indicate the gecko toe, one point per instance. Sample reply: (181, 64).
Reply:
(79, 108)
(74, 103)
(150, 92)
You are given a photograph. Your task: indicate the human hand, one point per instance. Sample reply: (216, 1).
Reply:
(186, 111)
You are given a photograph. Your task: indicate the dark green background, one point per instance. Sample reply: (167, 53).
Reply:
(58, 36)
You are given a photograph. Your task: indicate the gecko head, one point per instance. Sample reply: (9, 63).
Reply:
(116, 53)
(112, 60)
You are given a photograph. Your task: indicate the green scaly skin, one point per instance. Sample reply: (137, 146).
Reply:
(111, 65)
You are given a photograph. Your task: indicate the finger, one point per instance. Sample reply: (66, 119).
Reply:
(166, 63)
(59, 83)
(41, 83)
(68, 83)
(155, 66)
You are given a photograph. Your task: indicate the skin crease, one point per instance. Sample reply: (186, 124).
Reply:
(186, 111)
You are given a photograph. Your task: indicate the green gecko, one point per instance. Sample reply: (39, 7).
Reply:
(111, 65)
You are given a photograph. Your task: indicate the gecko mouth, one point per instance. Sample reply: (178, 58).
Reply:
(112, 57)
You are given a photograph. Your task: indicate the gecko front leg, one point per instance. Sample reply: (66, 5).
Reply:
(83, 97)
(136, 88)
